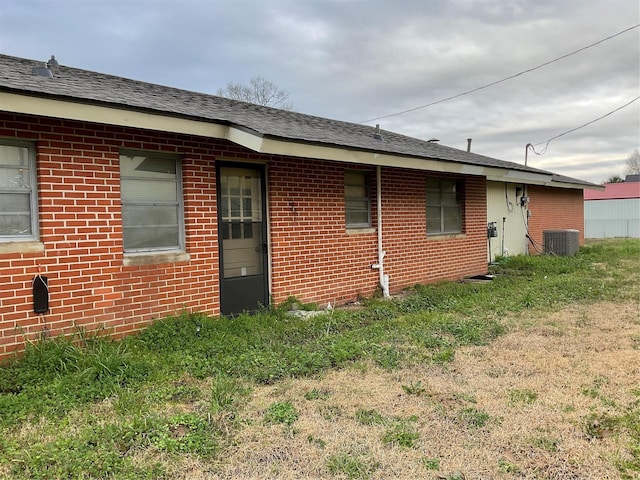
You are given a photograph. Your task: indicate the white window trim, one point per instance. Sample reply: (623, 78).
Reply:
(180, 195)
(33, 194)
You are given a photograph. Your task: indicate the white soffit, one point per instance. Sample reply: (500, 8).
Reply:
(574, 185)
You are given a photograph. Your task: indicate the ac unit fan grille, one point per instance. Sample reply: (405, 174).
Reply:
(561, 242)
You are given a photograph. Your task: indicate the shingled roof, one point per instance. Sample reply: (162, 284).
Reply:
(87, 87)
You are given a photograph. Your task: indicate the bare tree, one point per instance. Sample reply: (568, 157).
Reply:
(633, 163)
(259, 91)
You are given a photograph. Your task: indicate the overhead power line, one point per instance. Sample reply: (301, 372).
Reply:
(503, 79)
(543, 151)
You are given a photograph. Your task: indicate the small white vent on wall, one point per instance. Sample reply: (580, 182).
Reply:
(561, 242)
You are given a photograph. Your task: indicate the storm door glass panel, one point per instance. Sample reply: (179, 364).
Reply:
(241, 225)
(17, 211)
(151, 202)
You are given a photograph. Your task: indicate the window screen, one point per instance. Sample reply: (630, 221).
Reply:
(152, 206)
(356, 197)
(18, 203)
(444, 206)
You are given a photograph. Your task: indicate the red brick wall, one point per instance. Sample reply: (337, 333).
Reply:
(313, 257)
(412, 256)
(80, 227)
(554, 209)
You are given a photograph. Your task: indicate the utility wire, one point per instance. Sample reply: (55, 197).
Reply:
(504, 79)
(532, 147)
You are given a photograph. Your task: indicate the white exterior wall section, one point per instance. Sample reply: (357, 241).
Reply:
(502, 203)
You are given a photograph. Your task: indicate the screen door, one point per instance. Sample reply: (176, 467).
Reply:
(242, 234)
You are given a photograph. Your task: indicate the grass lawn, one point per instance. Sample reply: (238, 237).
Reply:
(532, 375)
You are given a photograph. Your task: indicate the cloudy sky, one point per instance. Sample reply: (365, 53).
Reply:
(359, 60)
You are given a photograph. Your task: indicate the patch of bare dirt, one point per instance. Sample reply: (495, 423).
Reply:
(536, 385)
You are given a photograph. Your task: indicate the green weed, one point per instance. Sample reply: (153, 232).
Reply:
(507, 467)
(617, 420)
(179, 391)
(353, 465)
(431, 463)
(388, 357)
(330, 412)
(224, 392)
(414, 388)
(107, 449)
(593, 390)
(317, 394)
(600, 425)
(281, 412)
(401, 434)
(474, 417)
(318, 442)
(466, 397)
(57, 374)
(546, 443)
(443, 355)
(369, 417)
(524, 396)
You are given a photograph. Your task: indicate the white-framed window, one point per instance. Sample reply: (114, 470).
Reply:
(356, 199)
(444, 206)
(18, 192)
(152, 202)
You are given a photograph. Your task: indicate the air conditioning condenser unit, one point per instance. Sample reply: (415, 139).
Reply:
(561, 242)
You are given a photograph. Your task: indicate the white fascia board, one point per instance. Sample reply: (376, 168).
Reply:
(574, 186)
(545, 182)
(273, 146)
(518, 176)
(252, 141)
(65, 109)
(281, 147)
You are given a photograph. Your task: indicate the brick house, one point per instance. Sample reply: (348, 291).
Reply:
(127, 201)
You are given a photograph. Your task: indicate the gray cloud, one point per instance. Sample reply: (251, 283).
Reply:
(355, 59)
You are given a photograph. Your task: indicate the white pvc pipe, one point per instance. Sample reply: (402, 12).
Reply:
(384, 279)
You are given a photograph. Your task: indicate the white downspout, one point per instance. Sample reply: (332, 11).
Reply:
(384, 279)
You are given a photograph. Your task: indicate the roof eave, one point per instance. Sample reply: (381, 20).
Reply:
(279, 146)
(106, 114)
(583, 186)
(64, 108)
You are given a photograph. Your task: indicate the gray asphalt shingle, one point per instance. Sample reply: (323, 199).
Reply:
(84, 86)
